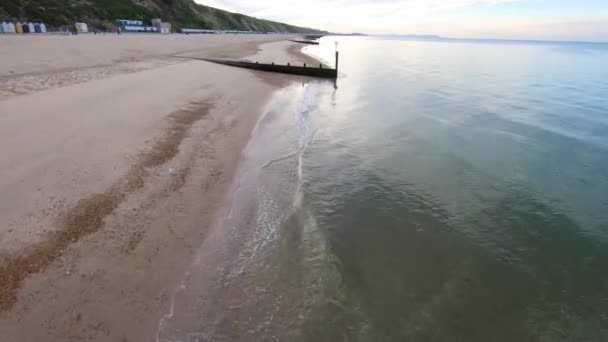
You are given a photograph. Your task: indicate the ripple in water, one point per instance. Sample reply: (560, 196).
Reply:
(445, 191)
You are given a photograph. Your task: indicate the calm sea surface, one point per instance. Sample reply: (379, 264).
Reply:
(440, 191)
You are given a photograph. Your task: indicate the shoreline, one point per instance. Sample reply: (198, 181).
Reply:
(136, 222)
(219, 288)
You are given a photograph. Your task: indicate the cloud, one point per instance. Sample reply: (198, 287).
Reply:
(343, 10)
(454, 18)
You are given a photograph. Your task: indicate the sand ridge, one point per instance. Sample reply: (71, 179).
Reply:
(87, 215)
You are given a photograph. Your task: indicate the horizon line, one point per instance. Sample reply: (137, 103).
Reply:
(439, 37)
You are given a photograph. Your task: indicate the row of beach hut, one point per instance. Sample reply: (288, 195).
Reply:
(22, 27)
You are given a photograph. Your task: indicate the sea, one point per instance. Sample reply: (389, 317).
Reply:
(439, 190)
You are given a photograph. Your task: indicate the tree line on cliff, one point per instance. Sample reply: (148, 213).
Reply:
(102, 14)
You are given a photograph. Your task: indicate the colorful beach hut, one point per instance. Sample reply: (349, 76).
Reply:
(18, 27)
(31, 27)
(42, 28)
(6, 28)
(3, 27)
(81, 27)
(25, 28)
(37, 28)
(11, 28)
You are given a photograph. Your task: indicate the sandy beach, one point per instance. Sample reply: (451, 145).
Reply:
(116, 153)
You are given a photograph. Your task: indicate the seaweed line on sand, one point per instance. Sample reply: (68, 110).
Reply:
(87, 216)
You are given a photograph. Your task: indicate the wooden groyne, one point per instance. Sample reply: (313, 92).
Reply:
(305, 42)
(303, 70)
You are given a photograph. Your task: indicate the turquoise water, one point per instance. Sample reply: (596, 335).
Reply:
(439, 191)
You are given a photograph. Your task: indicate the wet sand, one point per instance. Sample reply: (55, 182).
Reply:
(115, 158)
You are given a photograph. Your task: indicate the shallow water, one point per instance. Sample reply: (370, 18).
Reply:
(440, 191)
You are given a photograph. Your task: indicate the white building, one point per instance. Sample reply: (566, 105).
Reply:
(161, 27)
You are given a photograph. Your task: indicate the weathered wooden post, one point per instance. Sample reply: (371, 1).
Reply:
(337, 58)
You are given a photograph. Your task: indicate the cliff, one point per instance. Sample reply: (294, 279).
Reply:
(102, 13)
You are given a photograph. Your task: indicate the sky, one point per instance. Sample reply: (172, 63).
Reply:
(582, 20)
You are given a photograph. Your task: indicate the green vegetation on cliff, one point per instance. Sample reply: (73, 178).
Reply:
(102, 13)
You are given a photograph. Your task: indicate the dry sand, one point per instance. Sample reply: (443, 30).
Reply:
(34, 63)
(115, 157)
